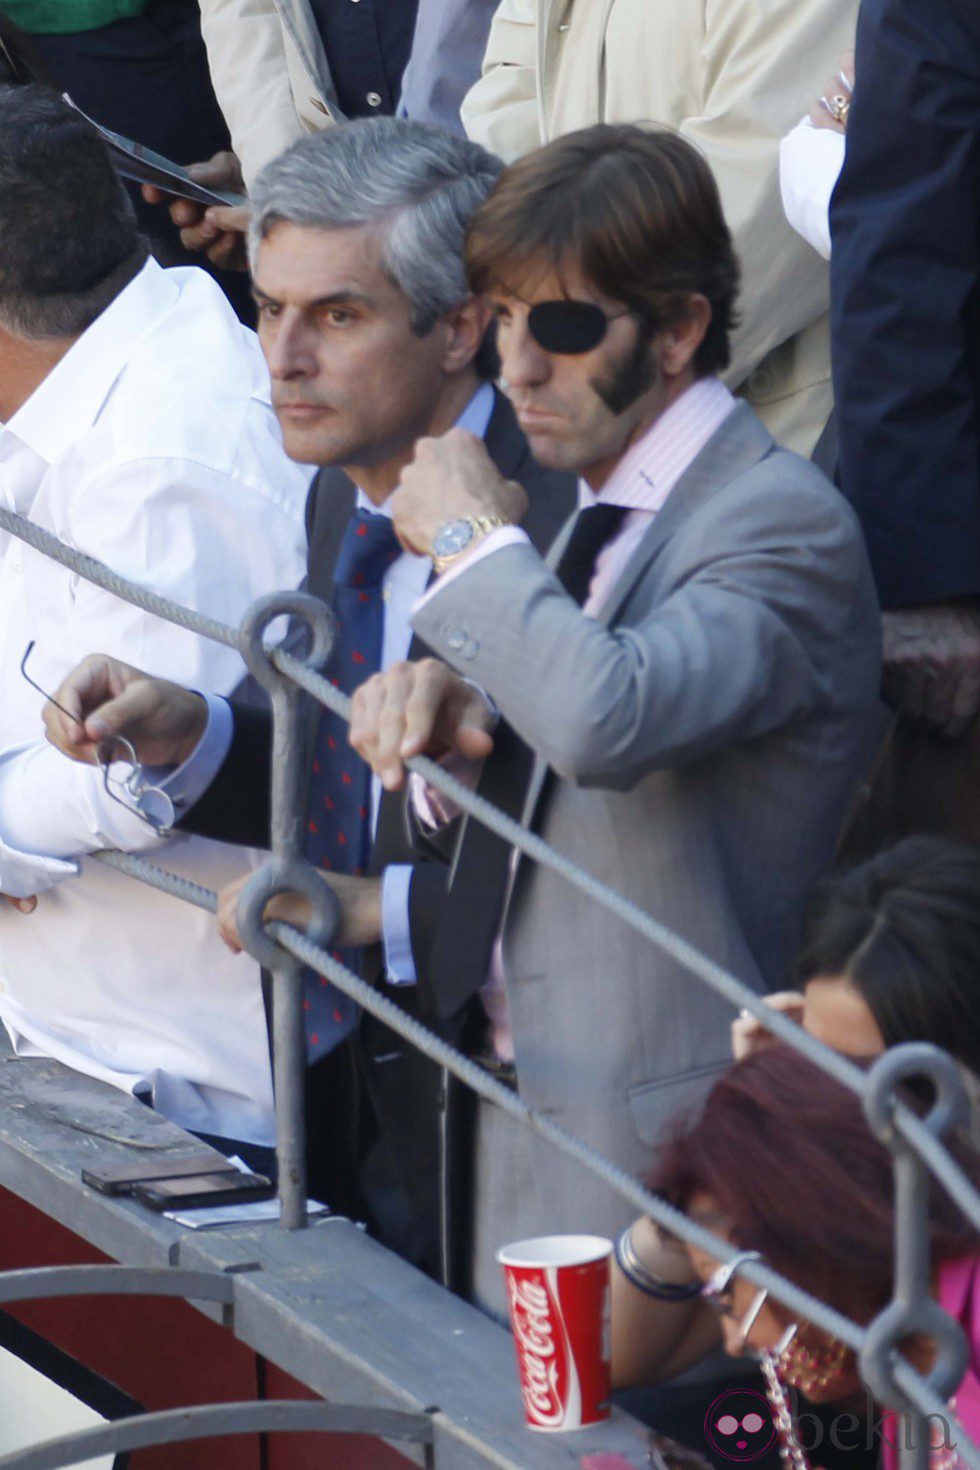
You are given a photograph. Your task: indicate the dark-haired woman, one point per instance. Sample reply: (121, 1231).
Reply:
(891, 953)
(781, 1163)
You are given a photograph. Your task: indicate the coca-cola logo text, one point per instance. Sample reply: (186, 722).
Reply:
(535, 1335)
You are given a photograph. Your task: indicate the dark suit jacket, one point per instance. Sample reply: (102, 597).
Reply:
(906, 298)
(405, 1090)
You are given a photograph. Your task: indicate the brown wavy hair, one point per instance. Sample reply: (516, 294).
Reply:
(635, 209)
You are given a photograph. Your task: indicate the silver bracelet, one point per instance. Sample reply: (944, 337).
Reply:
(644, 1279)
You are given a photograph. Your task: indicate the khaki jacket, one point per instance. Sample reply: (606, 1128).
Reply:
(270, 75)
(733, 76)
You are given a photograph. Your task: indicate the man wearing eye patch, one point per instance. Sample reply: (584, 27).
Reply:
(694, 666)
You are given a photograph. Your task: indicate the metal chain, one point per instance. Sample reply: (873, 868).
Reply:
(790, 1450)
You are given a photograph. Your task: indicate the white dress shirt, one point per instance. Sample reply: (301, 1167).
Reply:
(641, 481)
(402, 586)
(810, 161)
(152, 446)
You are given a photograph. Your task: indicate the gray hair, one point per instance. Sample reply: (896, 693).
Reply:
(418, 184)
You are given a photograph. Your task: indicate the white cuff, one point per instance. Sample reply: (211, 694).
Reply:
(186, 784)
(810, 161)
(23, 874)
(486, 546)
(430, 807)
(396, 931)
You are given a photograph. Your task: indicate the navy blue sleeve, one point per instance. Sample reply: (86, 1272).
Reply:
(905, 225)
(236, 806)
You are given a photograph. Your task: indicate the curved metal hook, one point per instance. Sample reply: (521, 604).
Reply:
(309, 610)
(272, 879)
(890, 1329)
(917, 1059)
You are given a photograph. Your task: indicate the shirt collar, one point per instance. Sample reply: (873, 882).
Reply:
(69, 400)
(475, 417)
(652, 466)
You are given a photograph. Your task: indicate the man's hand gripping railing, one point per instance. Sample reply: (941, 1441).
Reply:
(921, 1144)
(911, 1128)
(926, 1145)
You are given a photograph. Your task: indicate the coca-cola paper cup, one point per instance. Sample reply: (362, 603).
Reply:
(558, 1296)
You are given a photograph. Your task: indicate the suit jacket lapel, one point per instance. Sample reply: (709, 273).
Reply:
(739, 443)
(333, 497)
(506, 448)
(505, 443)
(330, 505)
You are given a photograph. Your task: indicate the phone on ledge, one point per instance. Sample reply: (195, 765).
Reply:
(199, 1191)
(120, 1179)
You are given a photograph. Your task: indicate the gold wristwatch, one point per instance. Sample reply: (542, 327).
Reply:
(455, 537)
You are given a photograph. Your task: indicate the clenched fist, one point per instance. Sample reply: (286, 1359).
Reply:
(449, 478)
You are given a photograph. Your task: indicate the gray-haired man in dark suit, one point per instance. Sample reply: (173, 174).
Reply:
(373, 338)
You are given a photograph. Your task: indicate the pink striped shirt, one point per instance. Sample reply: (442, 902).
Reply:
(642, 480)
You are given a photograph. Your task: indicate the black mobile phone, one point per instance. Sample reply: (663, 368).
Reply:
(118, 1179)
(201, 1190)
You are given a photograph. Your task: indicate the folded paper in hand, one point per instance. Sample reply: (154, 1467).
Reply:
(143, 166)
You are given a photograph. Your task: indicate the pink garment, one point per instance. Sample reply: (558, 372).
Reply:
(959, 1295)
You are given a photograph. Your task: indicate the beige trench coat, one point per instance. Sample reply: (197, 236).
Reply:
(270, 75)
(733, 76)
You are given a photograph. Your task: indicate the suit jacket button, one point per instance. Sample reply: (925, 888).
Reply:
(456, 640)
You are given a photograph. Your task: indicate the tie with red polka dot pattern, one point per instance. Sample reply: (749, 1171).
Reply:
(338, 837)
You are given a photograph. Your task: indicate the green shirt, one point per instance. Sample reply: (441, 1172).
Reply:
(58, 17)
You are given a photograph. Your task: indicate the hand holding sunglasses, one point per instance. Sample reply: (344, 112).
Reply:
(123, 777)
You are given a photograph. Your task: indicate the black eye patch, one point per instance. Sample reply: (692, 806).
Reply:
(567, 327)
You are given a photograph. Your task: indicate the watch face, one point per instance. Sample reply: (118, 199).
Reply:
(451, 538)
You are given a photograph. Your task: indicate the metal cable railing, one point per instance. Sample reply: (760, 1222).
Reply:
(915, 1142)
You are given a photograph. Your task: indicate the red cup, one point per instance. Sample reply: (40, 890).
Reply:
(558, 1297)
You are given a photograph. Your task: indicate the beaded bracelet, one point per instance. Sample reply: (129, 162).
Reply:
(644, 1279)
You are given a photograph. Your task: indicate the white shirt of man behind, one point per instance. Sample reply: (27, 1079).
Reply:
(152, 446)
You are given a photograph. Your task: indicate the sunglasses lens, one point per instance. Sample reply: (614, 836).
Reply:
(567, 327)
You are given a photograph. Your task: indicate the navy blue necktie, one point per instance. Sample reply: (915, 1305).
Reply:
(338, 835)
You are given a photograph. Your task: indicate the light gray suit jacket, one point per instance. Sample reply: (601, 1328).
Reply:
(708, 731)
